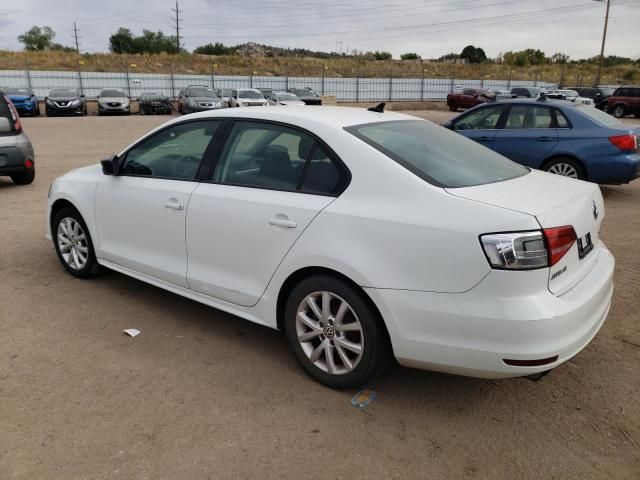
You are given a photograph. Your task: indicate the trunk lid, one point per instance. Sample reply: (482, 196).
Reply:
(554, 201)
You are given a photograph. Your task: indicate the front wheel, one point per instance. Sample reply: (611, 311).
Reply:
(335, 334)
(567, 167)
(73, 244)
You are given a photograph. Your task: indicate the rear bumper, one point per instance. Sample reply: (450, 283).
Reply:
(472, 333)
(12, 160)
(614, 169)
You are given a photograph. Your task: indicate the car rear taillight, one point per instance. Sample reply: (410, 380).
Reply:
(625, 142)
(559, 241)
(14, 115)
(28, 163)
(528, 250)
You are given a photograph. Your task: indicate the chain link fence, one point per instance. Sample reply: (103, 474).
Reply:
(345, 89)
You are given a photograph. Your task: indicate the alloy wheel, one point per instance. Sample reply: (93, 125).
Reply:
(563, 169)
(73, 244)
(329, 332)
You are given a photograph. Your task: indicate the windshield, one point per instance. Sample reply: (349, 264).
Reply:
(250, 94)
(305, 93)
(607, 92)
(201, 92)
(287, 97)
(437, 155)
(112, 93)
(18, 91)
(598, 115)
(152, 95)
(64, 92)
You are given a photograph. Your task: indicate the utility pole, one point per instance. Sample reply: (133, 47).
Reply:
(604, 37)
(177, 11)
(75, 34)
(78, 61)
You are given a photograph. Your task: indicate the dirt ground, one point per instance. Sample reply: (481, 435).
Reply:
(203, 395)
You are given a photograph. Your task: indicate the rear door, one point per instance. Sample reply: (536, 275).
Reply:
(480, 124)
(268, 185)
(528, 134)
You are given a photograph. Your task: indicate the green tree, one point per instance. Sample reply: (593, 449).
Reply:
(382, 55)
(213, 49)
(37, 38)
(410, 56)
(473, 54)
(123, 41)
(559, 58)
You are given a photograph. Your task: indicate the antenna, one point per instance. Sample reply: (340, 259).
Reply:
(378, 108)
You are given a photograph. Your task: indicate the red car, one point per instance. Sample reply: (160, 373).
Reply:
(470, 97)
(624, 101)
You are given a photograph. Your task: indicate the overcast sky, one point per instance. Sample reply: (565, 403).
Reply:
(429, 28)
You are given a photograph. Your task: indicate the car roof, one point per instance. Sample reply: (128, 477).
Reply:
(329, 116)
(535, 101)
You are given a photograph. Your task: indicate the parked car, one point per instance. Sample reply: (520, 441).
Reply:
(624, 101)
(65, 101)
(599, 95)
(224, 94)
(559, 137)
(268, 94)
(526, 92)
(503, 94)
(469, 97)
(307, 95)
(154, 102)
(23, 99)
(247, 97)
(285, 98)
(17, 159)
(569, 95)
(198, 98)
(360, 234)
(112, 100)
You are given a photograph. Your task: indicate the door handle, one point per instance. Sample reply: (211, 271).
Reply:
(282, 222)
(545, 139)
(174, 205)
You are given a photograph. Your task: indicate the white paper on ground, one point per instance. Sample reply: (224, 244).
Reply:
(132, 332)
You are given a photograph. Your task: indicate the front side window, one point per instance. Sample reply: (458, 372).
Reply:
(175, 152)
(528, 116)
(437, 155)
(481, 119)
(263, 155)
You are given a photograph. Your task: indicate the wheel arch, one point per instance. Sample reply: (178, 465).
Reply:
(58, 205)
(570, 156)
(297, 276)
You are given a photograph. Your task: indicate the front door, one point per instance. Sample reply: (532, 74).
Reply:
(141, 213)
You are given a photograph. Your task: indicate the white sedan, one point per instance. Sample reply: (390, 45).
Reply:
(362, 234)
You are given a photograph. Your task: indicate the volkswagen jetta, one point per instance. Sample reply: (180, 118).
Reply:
(363, 235)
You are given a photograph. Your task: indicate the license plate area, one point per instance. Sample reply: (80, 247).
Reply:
(585, 245)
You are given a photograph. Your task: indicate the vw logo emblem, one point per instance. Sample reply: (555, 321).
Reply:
(595, 210)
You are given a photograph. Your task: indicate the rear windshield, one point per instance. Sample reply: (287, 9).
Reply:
(437, 155)
(112, 93)
(598, 115)
(250, 94)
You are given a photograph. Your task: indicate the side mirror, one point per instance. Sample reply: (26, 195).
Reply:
(111, 165)
(448, 125)
(46, 98)
(82, 95)
(5, 125)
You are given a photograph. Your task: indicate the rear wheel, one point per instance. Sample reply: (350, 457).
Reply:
(567, 167)
(619, 111)
(453, 108)
(73, 244)
(335, 334)
(24, 178)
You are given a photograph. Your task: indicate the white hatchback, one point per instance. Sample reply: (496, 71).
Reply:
(363, 235)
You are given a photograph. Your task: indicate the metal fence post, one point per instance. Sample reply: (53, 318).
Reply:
(128, 82)
(482, 78)
(391, 83)
(213, 76)
(322, 84)
(422, 86)
(357, 83)
(286, 76)
(509, 81)
(173, 85)
(26, 66)
(535, 82)
(250, 74)
(80, 77)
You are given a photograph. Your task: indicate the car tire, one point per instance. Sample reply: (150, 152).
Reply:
(36, 112)
(338, 364)
(24, 178)
(453, 108)
(47, 113)
(618, 111)
(565, 166)
(79, 260)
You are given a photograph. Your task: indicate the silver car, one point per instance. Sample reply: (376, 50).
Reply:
(16, 153)
(112, 100)
(247, 97)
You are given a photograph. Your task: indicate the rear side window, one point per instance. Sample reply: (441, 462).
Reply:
(562, 120)
(323, 176)
(437, 155)
(526, 116)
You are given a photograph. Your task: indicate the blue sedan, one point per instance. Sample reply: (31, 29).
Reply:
(23, 99)
(557, 136)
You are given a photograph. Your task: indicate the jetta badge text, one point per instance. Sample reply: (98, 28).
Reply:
(595, 210)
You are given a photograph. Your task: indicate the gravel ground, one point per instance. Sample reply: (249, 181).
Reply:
(203, 395)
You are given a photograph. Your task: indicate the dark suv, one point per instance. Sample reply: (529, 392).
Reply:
(599, 95)
(624, 101)
(16, 152)
(526, 92)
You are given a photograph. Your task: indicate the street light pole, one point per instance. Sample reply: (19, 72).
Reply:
(604, 37)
